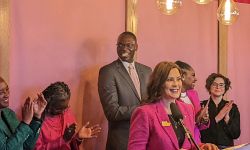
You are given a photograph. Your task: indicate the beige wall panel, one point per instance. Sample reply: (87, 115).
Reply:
(4, 39)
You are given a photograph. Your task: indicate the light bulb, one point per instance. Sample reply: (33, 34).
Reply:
(202, 1)
(169, 7)
(227, 12)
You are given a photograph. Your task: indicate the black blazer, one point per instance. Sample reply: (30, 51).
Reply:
(119, 98)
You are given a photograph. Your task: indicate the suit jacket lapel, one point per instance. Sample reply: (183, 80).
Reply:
(163, 119)
(124, 73)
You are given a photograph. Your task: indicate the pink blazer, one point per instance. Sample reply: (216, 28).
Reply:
(150, 127)
(193, 96)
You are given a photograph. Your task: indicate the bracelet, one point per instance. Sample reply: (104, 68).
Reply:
(79, 140)
(37, 119)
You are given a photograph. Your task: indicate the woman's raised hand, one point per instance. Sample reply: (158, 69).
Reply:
(89, 132)
(224, 111)
(27, 111)
(39, 105)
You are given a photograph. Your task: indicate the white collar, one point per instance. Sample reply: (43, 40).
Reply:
(126, 64)
(184, 94)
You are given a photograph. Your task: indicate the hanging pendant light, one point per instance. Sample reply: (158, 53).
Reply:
(169, 7)
(227, 12)
(202, 1)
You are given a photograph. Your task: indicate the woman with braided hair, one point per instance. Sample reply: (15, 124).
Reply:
(59, 126)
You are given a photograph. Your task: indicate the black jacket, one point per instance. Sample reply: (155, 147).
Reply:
(221, 134)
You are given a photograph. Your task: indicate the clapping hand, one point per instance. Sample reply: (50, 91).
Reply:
(89, 132)
(39, 105)
(224, 112)
(208, 146)
(202, 116)
(27, 111)
(227, 117)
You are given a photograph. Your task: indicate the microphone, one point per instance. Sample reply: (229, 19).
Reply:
(176, 112)
(177, 115)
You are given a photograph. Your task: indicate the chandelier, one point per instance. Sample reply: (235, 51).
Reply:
(227, 12)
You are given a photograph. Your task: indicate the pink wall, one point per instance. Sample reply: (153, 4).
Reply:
(238, 67)
(189, 35)
(70, 40)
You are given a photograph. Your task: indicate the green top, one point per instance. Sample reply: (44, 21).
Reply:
(15, 135)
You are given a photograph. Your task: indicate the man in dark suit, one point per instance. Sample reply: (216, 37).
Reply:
(121, 87)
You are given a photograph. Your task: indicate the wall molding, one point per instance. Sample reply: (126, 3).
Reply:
(131, 16)
(4, 38)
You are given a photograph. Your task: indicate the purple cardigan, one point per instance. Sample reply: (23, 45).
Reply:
(151, 129)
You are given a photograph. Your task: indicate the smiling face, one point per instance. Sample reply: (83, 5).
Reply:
(126, 47)
(173, 85)
(189, 79)
(217, 88)
(4, 94)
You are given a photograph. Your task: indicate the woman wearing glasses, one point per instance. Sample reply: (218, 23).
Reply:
(224, 115)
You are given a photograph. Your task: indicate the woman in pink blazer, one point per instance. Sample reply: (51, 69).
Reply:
(152, 125)
(190, 96)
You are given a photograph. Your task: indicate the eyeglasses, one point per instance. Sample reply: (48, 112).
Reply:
(130, 46)
(219, 85)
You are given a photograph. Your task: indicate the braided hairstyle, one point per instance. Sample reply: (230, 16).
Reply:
(56, 93)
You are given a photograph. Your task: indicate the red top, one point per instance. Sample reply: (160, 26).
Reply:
(51, 136)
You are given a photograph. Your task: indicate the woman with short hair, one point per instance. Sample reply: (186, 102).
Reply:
(16, 135)
(224, 115)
